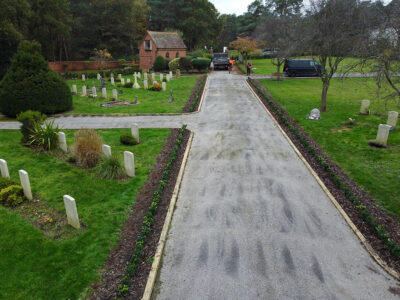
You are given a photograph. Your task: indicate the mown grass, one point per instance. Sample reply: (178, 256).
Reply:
(376, 170)
(35, 266)
(150, 101)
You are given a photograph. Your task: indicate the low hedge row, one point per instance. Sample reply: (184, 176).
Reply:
(198, 93)
(378, 229)
(103, 73)
(123, 288)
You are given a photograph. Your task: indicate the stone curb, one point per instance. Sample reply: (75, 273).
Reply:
(163, 237)
(363, 240)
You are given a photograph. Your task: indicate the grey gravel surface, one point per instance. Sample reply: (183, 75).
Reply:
(251, 222)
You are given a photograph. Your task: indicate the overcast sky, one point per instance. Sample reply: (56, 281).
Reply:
(238, 7)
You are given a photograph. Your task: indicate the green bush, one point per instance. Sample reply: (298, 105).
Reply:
(201, 64)
(30, 84)
(110, 168)
(127, 139)
(128, 84)
(185, 63)
(12, 195)
(160, 64)
(28, 119)
(156, 87)
(6, 182)
(174, 64)
(45, 137)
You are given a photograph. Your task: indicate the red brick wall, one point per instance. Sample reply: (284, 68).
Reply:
(81, 66)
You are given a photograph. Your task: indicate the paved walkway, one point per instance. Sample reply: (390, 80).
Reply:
(251, 222)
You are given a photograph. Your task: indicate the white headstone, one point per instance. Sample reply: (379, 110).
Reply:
(84, 92)
(83, 77)
(74, 89)
(72, 211)
(123, 81)
(145, 76)
(164, 86)
(98, 76)
(178, 73)
(153, 77)
(364, 106)
(161, 77)
(115, 94)
(135, 132)
(383, 134)
(145, 84)
(26, 185)
(94, 92)
(112, 81)
(393, 116)
(168, 78)
(170, 74)
(129, 161)
(119, 76)
(128, 80)
(136, 84)
(104, 93)
(139, 75)
(4, 168)
(106, 150)
(62, 140)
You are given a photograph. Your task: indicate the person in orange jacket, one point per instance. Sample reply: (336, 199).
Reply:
(231, 64)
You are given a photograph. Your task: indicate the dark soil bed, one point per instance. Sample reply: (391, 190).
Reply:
(192, 97)
(390, 222)
(118, 259)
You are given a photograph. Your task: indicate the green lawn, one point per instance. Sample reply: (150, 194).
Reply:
(150, 101)
(377, 171)
(36, 266)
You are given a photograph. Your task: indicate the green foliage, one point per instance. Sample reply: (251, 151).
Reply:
(28, 119)
(156, 87)
(201, 64)
(87, 148)
(128, 84)
(45, 137)
(29, 84)
(128, 139)
(198, 92)
(104, 73)
(160, 64)
(6, 182)
(12, 195)
(174, 64)
(110, 167)
(185, 63)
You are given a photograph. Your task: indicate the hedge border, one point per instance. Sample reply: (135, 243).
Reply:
(123, 288)
(375, 227)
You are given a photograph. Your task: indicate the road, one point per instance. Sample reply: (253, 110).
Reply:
(251, 222)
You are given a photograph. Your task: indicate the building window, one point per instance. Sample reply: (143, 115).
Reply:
(167, 55)
(177, 54)
(147, 45)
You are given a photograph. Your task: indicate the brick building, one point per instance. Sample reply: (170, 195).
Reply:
(166, 44)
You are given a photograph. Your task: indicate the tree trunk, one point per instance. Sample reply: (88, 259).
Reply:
(325, 87)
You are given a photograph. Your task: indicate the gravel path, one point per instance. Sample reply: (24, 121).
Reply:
(251, 222)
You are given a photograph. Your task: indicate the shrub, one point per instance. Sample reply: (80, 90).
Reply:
(30, 84)
(128, 84)
(12, 195)
(159, 64)
(174, 64)
(110, 168)
(201, 64)
(6, 182)
(87, 148)
(195, 54)
(28, 119)
(45, 137)
(156, 87)
(127, 139)
(185, 63)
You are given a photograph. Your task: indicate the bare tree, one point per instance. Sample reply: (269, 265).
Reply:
(335, 30)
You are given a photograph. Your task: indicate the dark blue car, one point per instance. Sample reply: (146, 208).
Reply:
(301, 67)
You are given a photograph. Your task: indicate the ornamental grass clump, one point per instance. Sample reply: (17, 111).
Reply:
(44, 137)
(110, 168)
(87, 148)
(127, 139)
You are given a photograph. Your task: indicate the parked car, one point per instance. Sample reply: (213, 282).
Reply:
(270, 52)
(301, 67)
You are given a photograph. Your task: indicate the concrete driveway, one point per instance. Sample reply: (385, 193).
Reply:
(251, 221)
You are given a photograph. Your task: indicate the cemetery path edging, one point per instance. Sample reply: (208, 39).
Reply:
(163, 236)
(348, 220)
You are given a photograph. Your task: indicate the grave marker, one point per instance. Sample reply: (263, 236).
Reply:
(106, 150)
(104, 93)
(98, 76)
(161, 77)
(62, 140)
(170, 74)
(4, 169)
(72, 211)
(115, 94)
(393, 116)
(145, 76)
(129, 160)
(164, 86)
(74, 89)
(26, 185)
(145, 84)
(123, 81)
(83, 77)
(153, 77)
(383, 134)
(136, 84)
(119, 76)
(364, 107)
(84, 92)
(135, 132)
(178, 73)
(112, 81)
(94, 92)
(128, 80)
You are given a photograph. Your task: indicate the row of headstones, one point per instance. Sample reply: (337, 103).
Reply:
(69, 202)
(136, 75)
(383, 129)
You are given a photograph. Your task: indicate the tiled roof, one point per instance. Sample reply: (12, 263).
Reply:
(167, 40)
